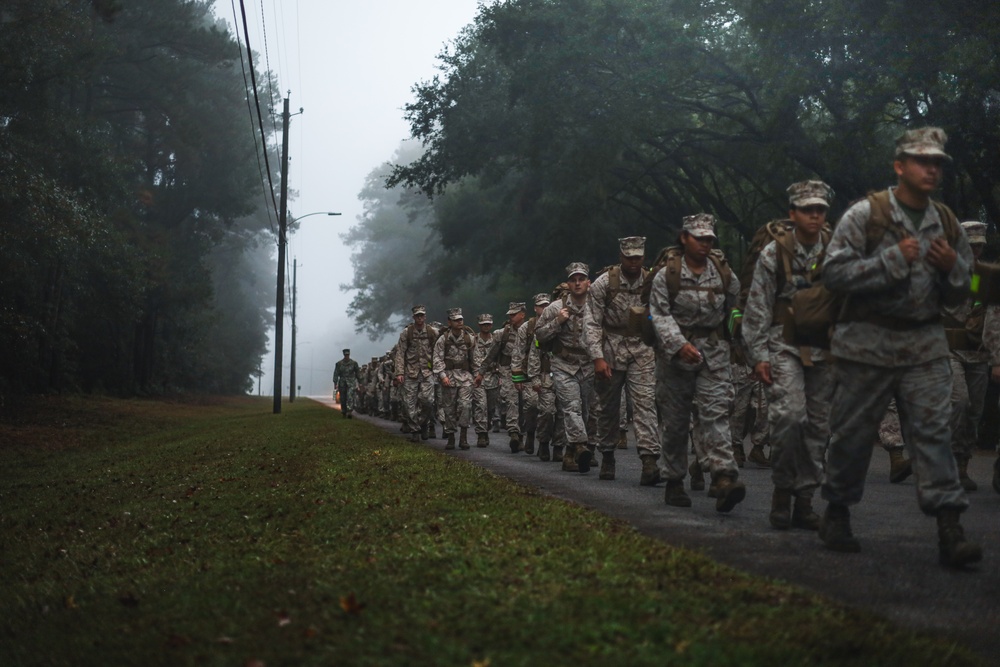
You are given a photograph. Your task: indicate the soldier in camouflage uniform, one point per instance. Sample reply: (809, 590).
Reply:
(501, 355)
(453, 365)
(692, 361)
(484, 395)
(560, 326)
(621, 359)
(797, 376)
(969, 366)
(991, 342)
(413, 371)
(345, 378)
(518, 365)
(551, 426)
(900, 257)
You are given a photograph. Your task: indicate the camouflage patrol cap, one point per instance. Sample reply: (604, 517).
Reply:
(347, 350)
(486, 318)
(542, 299)
(809, 193)
(632, 246)
(515, 307)
(560, 290)
(419, 310)
(925, 141)
(575, 268)
(374, 359)
(975, 230)
(455, 314)
(700, 224)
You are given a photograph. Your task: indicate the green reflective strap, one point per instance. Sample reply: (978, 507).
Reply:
(734, 316)
(974, 283)
(518, 378)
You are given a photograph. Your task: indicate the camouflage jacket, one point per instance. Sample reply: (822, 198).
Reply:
(491, 379)
(413, 357)
(453, 358)
(605, 318)
(760, 333)
(909, 294)
(347, 372)
(696, 316)
(568, 354)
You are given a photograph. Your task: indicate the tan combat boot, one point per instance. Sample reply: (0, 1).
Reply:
(569, 459)
(835, 529)
(463, 437)
(607, 465)
(482, 440)
(451, 441)
(955, 550)
(730, 493)
(900, 467)
(781, 509)
(515, 442)
(674, 494)
(697, 476)
(803, 515)
(584, 455)
(650, 475)
(758, 456)
(623, 440)
(543, 451)
(963, 475)
(529, 443)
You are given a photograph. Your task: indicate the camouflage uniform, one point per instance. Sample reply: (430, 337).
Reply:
(607, 336)
(346, 374)
(501, 355)
(551, 425)
(519, 363)
(414, 352)
(908, 361)
(484, 397)
(749, 410)
(572, 370)
(453, 360)
(801, 389)
(697, 316)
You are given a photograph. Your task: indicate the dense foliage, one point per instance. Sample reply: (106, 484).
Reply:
(578, 121)
(130, 234)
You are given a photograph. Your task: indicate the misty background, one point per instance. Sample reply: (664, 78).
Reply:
(472, 150)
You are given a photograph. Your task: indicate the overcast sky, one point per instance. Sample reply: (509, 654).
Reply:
(350, 65)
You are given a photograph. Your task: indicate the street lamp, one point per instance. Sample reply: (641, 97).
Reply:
(291, 372)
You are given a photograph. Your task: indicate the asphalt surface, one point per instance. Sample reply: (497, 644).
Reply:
(896, 575)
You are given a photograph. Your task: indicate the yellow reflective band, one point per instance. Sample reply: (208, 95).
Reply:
(974, 283)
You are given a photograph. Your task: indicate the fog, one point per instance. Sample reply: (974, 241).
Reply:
(350, 67)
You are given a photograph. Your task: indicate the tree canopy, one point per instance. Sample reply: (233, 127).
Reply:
(578, 121)
(128, 189)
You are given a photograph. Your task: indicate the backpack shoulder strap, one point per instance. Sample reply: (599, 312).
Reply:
(949, 222)
(879, 221)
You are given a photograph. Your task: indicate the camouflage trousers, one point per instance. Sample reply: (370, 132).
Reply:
(640, 381)
(438, 404)
(749, 413)
(860, 398)
(799, 417)
(551, 424)
(418, 402)
(968, 396)
(510, 396)
(709, 392)
(574, 395)
(456, 404)
(529, 408)
(484, 404)
(348, 396)
(889, 434)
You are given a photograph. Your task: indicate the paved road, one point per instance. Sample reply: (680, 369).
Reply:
(896, 574)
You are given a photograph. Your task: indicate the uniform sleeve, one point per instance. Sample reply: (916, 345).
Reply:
(759, 312)
(548, 326)
(847, 269)
(437, 363)
(517, 356)
(593, 318)
(668, 333)
(400, 361)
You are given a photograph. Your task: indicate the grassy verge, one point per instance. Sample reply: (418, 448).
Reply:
(173, 533)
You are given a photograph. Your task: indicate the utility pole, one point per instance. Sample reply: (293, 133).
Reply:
(279, 310)
(291, 371)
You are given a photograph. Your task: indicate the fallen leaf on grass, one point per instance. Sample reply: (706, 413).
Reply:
(69, 602)
(351, 605)
(225, 640)
(682, 646)
(485, 662)
(284, 619)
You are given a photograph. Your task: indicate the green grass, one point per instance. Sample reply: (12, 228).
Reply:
(140, 532)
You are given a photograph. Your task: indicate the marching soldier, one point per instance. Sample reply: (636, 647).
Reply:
(453, 364)
(501, 355)
(414, 352)
(346, 373)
